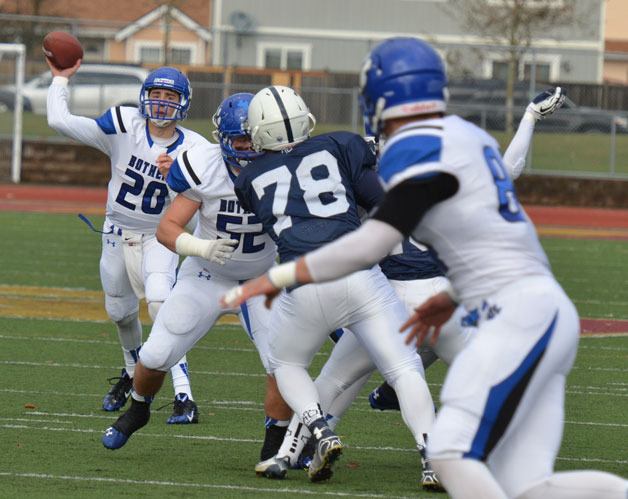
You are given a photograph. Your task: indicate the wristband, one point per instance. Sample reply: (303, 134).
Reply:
(452, 294)
(60, 80)
(283, 276)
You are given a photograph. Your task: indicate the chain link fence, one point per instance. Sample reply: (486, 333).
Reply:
(588, 137)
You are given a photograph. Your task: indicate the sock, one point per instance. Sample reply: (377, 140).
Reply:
(273, 437)
(312, 413)
(181, 378)
(145, 399)
(135, 418)
(130, 336)
(295, 439)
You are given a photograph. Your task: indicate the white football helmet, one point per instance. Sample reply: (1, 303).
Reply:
(278, 118)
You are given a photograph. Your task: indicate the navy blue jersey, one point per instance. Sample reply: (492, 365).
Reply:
(309, 196)
(410, 262)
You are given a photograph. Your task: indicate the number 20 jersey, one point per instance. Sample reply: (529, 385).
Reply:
(137, 192)
(481, 234)
(201, 175)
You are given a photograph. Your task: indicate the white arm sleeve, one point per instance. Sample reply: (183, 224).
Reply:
(80, 128)
(360, 249)
(515, 155)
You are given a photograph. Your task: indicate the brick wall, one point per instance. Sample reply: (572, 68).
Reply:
(47, 162)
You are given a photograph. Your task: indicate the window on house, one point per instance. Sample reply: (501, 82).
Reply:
(272, 58)
(542, 71)
(294, 59)
(277, 57)
(150, 55)
(180, 56)
(524, 72)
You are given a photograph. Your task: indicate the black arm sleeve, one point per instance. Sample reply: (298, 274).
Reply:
(405, 204)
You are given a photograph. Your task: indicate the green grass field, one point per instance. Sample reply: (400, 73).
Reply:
(584, 152)
(54, 376)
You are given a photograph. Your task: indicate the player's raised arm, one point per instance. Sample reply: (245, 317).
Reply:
(85, 130)
(541, 106)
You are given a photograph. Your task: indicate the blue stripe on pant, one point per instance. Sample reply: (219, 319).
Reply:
(247, 321)
(504, 398)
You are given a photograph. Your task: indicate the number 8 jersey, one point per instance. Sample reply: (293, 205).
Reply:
(481, 233)
(137, 193)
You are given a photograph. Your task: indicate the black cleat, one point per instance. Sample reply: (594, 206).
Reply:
(119, 393)
(384, 398)
(132, 420)
(184, 410)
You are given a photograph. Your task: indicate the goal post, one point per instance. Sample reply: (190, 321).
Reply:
(19, 51)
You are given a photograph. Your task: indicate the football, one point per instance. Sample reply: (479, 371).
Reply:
(62, 49)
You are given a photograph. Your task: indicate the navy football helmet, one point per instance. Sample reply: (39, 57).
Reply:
(401, 77)
(170, 79)
(230, 122)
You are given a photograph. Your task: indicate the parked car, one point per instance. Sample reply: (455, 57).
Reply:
(93, 89)
(484, 105)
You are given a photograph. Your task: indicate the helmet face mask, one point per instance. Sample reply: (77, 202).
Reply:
(401, 77)
(162, 112)
(278, 118)
(231, 132)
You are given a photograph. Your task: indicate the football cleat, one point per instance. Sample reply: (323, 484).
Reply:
(305, 458)
(184, 410)
(132, 420)
(429, 479)
(328, 450)
(384, 398)
(119, 393)
(275, 468)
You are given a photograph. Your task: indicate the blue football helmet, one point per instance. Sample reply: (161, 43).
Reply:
(170, 79)
(230, 122)
(401, 77)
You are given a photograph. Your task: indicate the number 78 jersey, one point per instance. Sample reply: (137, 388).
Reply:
(481, 233)
(306, 197)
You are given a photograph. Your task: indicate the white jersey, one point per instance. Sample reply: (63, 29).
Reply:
(201, 175)
(481, 234)
(137, 193)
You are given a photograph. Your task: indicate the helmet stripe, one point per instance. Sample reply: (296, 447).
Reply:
(284, 113)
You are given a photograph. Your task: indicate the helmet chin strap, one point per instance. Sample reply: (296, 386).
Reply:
(160, 123)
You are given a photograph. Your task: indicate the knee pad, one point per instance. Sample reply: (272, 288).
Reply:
(158, 286)
(180, 315)
(120, 307)
(153, 309)
(154, 357)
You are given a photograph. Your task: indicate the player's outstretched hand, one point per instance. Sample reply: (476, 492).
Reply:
(255, 287)
(429, 316)
(219, 250)
(546, 102)
(68, 72)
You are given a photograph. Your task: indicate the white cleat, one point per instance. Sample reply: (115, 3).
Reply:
(274, 468)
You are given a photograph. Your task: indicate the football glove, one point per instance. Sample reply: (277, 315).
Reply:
(546, 103)
(217, 250)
